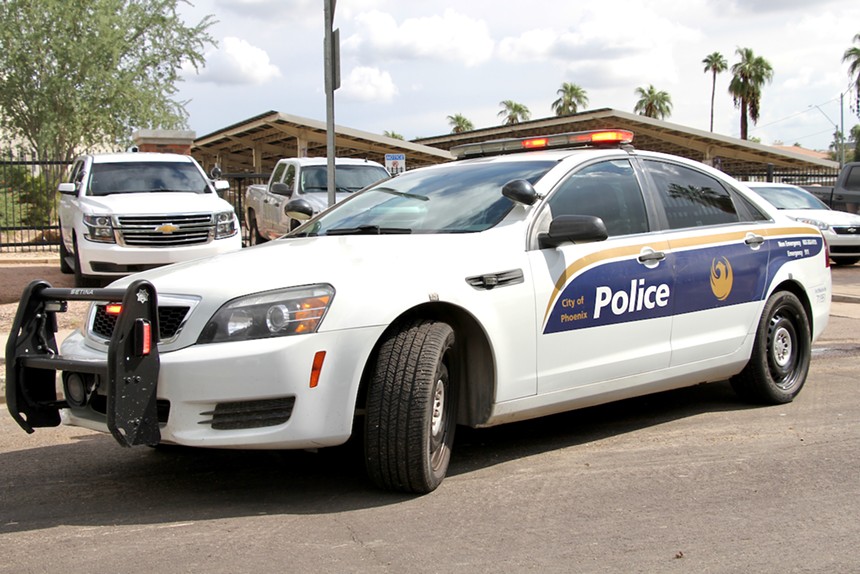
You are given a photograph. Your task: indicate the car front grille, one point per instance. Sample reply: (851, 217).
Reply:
(853, 230)
(170, 320)
(166, 230)
(249, 414)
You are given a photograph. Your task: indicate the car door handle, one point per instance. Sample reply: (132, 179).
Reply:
(754, 240)
(652, 256)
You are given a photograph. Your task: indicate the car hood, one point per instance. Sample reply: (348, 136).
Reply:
(828, 216)
(373, 275)
(154, 203)
(319, 201)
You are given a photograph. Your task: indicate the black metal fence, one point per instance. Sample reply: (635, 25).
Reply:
(28, 202)
(28, 197)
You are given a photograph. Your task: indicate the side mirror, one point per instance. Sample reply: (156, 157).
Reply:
(221, 184)
(299, 208)
(573, 229)
(281, 188)
(67, 188)
(520, 191)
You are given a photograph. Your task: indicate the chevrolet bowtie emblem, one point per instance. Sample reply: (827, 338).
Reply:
(167, 228)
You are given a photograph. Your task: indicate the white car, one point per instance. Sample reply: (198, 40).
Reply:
(841, 230)
(121, 213)
(477, 292)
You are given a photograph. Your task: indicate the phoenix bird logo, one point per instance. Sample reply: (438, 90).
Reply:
(721, 278)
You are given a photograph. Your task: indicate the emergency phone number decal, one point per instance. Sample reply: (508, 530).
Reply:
(685, 282)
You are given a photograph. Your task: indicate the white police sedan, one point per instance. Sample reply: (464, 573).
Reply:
(528, 278)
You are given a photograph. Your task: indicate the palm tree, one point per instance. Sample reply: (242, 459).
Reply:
(748, 77)
(392, 134)
(513, 112)
(652, 103)
(572, 97)
(852, 56)
(459, 124)
(714, 63)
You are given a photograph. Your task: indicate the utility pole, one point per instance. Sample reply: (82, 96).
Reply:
(331, 62)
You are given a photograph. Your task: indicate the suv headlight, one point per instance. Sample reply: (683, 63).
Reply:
(225, 225)
(293, 311)
(819, 224)
(99, 228)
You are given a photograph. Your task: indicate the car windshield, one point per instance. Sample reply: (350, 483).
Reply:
(790, 198)
(451, 198)
(347, 178)
(146, 177)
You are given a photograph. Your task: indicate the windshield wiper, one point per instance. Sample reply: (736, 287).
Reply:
(369, 230)
(390, 191)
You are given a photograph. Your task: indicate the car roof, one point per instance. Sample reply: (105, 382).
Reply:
(129, 157)
(337, 161)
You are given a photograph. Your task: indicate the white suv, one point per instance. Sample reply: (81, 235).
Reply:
(476, 292)
(128, 212)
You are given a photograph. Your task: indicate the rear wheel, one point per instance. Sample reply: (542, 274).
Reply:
(254, 237)
(779, 363)
(411, 408)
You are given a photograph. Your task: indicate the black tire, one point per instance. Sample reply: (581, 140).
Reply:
(411, 408)
(64, 258)
(777, 369)
(844, 260)
(254, 237)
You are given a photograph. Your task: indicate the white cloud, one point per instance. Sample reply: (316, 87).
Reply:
(366, 84)
(236, 62)
(450, 36)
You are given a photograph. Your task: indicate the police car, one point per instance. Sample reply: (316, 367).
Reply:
(530, 277)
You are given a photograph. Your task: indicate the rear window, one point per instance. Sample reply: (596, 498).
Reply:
(691, 198)
(149, 177)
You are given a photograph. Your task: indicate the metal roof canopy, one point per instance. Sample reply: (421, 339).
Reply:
(256, 144)
(735, 156)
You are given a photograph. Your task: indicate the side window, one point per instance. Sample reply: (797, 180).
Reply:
(608, 190)
(77, 174)
(290, 177)
(691, 198)
(852, 182)
(279, 173)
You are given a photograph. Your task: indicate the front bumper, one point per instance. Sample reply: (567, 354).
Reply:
(110, 259)
(252, 394)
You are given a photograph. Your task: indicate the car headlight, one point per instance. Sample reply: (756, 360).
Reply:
(225, 225)
(99, 228)
(819, 224)
(293, 311)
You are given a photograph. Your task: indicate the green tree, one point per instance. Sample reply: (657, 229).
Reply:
(855, 136)
(78, 75)
(460, 123)
(571, 98)
(714, 63)
(652, 103)
(748, 77)
(392, 134)
(852, 56)
(513, 113)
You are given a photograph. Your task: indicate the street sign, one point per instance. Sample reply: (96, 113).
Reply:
(395, 163)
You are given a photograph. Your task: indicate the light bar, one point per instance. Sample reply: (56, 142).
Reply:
(610, 137)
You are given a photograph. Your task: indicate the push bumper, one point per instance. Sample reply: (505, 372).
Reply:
(128, 375)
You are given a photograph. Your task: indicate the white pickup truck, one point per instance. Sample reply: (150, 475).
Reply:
(302, 177)
(121, 213)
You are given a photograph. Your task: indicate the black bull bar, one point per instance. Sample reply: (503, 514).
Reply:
(128, 376)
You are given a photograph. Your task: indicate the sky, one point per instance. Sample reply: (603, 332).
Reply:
(406, 66)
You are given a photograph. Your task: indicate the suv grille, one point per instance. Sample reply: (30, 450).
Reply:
(853, 230)
(166, 230)
(170, 319)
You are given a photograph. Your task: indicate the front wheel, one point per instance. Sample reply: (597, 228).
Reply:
(781, 353)
(411, 408)
(254, 237)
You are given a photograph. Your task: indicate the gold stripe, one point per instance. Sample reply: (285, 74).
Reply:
(677, 244)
